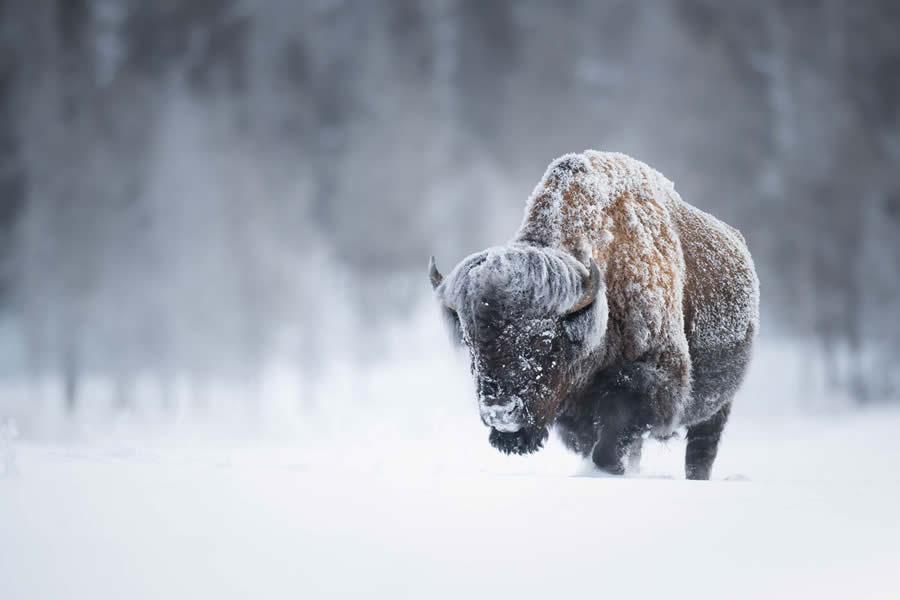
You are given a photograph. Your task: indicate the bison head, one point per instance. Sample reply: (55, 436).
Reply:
(529, 317)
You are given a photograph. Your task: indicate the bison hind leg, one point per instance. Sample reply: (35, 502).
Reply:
(717, 375)
(703, 444)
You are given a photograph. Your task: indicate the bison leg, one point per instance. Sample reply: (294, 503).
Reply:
(640, 397)
(609, 453)
(620, 434)
(703, 444)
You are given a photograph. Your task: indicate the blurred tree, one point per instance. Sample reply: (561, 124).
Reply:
(12, 176)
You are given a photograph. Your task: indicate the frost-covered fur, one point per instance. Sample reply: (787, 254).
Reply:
(665, 343)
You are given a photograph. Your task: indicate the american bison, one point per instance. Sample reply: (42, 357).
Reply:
(618, 311)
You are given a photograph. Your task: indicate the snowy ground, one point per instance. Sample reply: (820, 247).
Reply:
(390, 489)
(799, 508)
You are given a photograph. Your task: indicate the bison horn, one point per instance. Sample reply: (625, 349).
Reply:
(591, 289)
(434, 274)
(436, 279)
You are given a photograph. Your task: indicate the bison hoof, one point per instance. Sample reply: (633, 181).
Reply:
(611, 468)
(607, 460)
(524, 441)
(701, 473)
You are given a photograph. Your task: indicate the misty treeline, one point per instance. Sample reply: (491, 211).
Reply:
(194, 189)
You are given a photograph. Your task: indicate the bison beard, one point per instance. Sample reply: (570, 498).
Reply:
(618, 311)
(524, 441)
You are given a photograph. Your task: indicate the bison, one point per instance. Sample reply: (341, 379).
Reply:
(617, 312)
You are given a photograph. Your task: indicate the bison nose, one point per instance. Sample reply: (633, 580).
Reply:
(502, 416)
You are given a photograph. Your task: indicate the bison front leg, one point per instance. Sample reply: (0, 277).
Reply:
(641, 397)
(703, 444)
(618, 451)
(621, 422)
(620, 434)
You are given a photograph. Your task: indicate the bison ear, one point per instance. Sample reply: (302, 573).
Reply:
(434, 274)
(591, 286)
